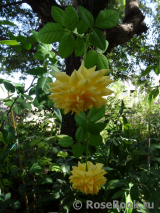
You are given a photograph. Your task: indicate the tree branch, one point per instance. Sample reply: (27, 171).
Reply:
(75, 4)
(132, 24)
(131, 9)
(43, 9)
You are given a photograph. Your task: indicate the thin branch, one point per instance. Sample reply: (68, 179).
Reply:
(11, 4)
(15, 3)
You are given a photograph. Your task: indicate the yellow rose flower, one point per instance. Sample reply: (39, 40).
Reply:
(80, 91)
(89, 181)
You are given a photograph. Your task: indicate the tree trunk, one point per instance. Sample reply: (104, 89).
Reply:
(68, 122)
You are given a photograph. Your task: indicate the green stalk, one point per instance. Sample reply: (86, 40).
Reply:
(85, 50)
(87, 154)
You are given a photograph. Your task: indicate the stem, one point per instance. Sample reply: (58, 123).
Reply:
(149, 143)
(85, 50)
(19, 158)
(87, 156)
(34, 194)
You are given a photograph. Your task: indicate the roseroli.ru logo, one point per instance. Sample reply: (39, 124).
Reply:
(114, 205)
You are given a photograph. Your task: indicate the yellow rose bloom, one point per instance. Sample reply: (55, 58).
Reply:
(89, 181)
(80, 91)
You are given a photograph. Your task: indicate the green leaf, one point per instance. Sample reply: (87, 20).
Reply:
(91, 59)
(107, 19)
(102, 62)
(58, 114)
(16, 204)
(8, 133)
(101, 126)
(17, 109)
(27, 46)
(10, 87)
(35, 168)
(79, 53)
(102, 51)
(95, 140)
(27, 105)
(19, 100)
(66, 46)
(12, 37)
(143, 177)
(49, 180)
(148, 70)
(80, 133)
(65, 141)
(7, 196)
(81, 27)
(134, 192)
(5, 22)
(48, 47)
(81, 119)
(32, 39)
(54, 167)
(108, 168)
(65, 168)
(77, 150)
(28, 97)
(94, 128)
(117, 194)
(57, 14)
(8, 103)
(40, 145)
(42, 86)
(17, 85)
(86, 16)
(120, 183)
(154, 93)
(18, 48)
(36, 103)
(70, 18)
(62, 154)
(21, 38)
(155, 196)
(37, 71)
(97, 39)
(9, 42)
(40, 55)
(35, 34)
(35, 141)
(55, 68)
(157, 69)
(79, 43)
(96, 114)
(53, 58)
(50, 33)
